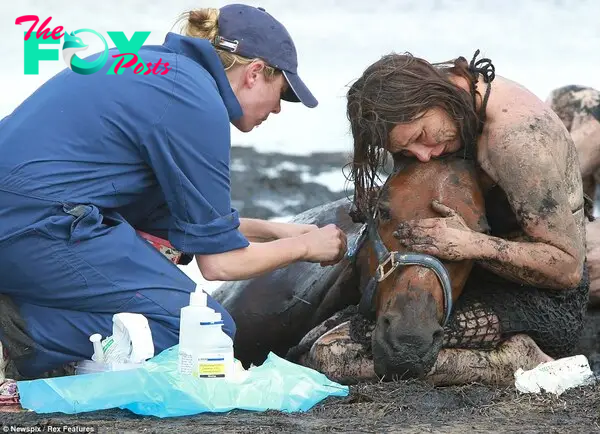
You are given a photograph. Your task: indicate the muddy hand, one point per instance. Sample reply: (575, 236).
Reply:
(446, 237)
(326, 245)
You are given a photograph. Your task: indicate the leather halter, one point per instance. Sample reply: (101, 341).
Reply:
(391, 261)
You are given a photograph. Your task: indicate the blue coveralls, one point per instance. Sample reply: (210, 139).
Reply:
(88, 159)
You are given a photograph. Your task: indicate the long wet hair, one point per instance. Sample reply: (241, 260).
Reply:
(400, 88)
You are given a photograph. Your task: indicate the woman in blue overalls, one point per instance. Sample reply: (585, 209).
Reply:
(89, 160)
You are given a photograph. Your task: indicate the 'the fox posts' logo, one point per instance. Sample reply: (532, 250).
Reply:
(73, 44)
(128, 56)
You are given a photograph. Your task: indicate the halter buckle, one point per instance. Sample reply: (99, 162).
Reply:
(382, 273)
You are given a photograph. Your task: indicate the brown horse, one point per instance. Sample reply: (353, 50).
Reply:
(408, 296)
(414, 301)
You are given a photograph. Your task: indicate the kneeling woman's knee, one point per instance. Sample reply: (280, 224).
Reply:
(228, 322)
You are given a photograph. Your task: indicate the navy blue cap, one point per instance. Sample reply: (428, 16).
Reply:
(252, 32)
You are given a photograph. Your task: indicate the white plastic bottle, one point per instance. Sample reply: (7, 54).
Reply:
(215, 356)
(205, 350)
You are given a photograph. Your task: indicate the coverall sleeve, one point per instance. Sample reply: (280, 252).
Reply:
(188, 148)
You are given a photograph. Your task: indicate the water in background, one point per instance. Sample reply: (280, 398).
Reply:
(542, 44)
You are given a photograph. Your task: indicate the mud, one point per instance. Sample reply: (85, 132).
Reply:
(403, 406)
(409, 407)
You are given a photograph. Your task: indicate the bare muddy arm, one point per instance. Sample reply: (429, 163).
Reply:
(523, 162)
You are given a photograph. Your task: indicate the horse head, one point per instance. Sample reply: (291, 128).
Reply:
(408, 295)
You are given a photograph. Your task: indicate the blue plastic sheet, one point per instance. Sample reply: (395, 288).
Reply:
(157, 389)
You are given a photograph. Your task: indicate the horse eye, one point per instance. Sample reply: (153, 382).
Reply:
(384, 212)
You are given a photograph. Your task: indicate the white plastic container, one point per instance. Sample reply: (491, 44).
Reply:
(131, 341)
(91, 367)
(205, 350)
(128, 347)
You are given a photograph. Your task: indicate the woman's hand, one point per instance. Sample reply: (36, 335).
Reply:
(446, 237)
(326, 245)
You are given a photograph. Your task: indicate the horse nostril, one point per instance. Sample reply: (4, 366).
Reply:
(438, 335)
(386, 322)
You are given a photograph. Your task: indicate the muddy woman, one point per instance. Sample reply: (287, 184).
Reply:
(528, 291)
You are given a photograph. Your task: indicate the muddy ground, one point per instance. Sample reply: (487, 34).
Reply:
(406, 406)
(409, 407)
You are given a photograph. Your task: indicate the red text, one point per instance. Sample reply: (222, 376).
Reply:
(42, 31)
(138, 69)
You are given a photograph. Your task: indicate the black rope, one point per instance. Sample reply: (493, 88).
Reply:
(486, 68)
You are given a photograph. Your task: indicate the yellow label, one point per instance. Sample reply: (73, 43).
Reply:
(211, 369)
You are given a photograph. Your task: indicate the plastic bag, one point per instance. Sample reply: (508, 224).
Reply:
(157, 389)
(556, 376)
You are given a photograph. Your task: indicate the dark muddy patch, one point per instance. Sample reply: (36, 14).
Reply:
(361, 330)
(454, 179)
(549, 204)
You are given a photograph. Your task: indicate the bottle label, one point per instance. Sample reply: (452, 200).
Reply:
(107, 346)
(211, 366)
(186, 363)
(114, 351)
